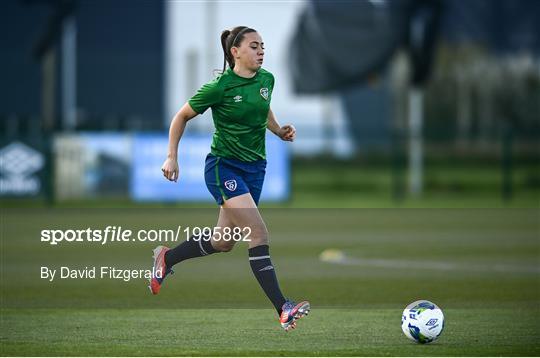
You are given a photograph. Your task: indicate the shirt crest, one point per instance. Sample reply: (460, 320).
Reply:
(264, 93)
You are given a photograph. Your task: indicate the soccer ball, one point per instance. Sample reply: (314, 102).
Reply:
(422, 321)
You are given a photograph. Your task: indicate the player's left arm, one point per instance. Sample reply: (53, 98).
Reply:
(287, 132)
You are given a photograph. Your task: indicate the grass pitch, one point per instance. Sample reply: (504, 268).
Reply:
(253, 332)
(481, 266)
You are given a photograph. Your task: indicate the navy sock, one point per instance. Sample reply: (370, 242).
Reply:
(194, 247)
(259, 259)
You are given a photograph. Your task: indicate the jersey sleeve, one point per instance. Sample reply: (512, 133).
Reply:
(207, 96)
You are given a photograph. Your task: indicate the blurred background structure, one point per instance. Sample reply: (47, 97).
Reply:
(398, 102)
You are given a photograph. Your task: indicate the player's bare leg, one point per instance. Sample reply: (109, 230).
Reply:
(243, 213)
(224, 225)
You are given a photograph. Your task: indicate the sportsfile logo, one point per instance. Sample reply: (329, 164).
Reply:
(118, 234)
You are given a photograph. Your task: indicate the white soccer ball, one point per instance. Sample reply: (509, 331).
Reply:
(422, 321)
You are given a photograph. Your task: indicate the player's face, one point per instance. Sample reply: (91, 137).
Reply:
(250, 53)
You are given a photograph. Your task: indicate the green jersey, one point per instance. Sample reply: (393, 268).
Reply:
(240, 112)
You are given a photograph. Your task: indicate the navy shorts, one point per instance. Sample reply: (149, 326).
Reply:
(227, 178)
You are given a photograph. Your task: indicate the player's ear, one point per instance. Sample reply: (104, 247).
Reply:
(234, 51)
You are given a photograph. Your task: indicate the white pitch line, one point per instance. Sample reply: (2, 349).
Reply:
(436, 265)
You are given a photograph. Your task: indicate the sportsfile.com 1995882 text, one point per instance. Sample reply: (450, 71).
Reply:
(120, 234)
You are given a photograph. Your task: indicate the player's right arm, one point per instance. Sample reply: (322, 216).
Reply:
(178, 125)
(207, 96)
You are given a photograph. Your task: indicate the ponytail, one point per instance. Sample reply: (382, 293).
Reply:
(227, 57)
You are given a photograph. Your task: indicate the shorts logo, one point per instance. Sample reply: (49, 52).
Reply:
(230, 185)
(237, 98)
(264, 93)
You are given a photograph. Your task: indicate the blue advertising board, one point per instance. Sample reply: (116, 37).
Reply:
(150, 150)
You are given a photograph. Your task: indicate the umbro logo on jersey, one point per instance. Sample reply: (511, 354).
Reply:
(264, 93)
(230, 185)
(237, 98)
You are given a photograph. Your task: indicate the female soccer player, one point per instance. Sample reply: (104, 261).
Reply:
(235, 168)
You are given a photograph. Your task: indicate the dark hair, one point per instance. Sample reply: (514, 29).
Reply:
(230, 38)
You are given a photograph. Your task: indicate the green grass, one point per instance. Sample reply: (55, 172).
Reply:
(245, 332)
(490, 292)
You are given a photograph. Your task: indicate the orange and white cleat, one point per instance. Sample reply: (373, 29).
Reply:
(292, 312)
(160, 270)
